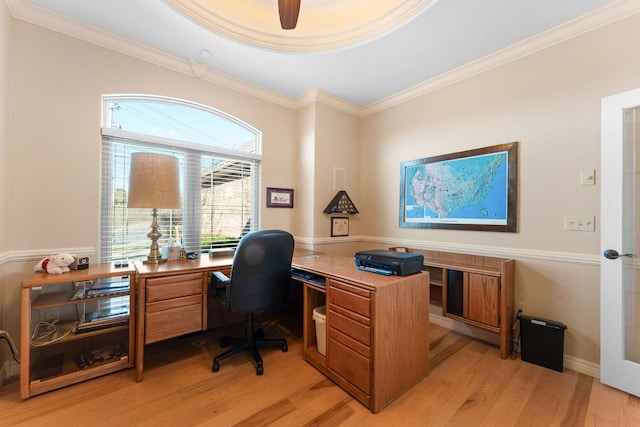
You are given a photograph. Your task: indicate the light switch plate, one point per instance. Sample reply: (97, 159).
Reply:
(580, 223)
(588, 177)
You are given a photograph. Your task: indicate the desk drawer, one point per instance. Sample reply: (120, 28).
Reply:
(350, 327)
(162, 288)
(350, 298)
(173, 303)
(352, 366)
(349, 342)
(164, 324)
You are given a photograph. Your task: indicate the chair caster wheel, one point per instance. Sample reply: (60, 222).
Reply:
(224, 342)
(259, 370)
(215, 367)
(285, 348)
(259, 334)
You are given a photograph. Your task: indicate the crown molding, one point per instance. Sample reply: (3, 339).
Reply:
(37, 15)
(591, 21)
(21, 9)
(318, 96)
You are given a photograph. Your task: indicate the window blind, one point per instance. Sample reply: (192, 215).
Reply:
(219, 191)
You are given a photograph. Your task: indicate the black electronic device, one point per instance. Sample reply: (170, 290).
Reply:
(79, 263)
(389, 262)
(542, 341)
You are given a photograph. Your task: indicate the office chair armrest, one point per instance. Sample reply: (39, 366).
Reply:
(222, 278)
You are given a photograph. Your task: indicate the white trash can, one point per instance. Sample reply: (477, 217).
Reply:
(320, 317)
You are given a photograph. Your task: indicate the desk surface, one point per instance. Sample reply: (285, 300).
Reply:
(202, 263)
(341, 267)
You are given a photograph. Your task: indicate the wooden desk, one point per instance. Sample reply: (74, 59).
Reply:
(377, 328)
(173, 300)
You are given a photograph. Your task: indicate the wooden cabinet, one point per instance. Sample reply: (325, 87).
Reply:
(173, 306)
(377, 328)
(474, 289)
(173, 300)
(75, 326)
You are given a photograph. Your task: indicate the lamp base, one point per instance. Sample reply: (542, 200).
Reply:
(152, 261)
(154, 257)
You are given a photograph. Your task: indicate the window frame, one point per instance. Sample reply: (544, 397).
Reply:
(191, 187)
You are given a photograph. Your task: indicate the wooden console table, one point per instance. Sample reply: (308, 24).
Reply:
(474, 289)
(377, 328)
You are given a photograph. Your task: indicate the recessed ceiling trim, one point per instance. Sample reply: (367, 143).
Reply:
(323, 24)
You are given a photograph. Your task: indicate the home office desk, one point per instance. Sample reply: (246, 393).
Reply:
(377, 326)
(173, 300)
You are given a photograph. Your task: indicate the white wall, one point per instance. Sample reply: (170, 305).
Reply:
(549, 101)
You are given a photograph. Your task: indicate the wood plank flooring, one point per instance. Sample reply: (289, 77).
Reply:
(469, 385)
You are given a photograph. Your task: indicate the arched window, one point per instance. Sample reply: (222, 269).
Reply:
(219, 160)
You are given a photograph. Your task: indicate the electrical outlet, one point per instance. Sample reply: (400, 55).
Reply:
(520, 305)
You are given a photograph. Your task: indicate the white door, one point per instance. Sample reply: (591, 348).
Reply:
(619, 280)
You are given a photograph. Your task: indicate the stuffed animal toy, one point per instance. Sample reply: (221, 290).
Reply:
(54, 264)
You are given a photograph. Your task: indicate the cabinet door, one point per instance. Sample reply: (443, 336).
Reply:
(482, 298)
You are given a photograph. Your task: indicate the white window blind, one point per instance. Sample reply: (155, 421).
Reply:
(219, 165)
(219, 201)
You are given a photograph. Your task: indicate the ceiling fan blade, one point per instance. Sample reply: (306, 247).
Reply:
(289, 10)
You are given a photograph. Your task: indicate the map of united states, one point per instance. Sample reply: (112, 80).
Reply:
(467, 188)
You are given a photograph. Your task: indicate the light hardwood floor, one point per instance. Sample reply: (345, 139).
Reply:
(469, 385)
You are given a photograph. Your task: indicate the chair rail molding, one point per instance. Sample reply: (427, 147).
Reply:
(35, 254)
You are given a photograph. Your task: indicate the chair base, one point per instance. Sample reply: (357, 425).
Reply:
(249, 343)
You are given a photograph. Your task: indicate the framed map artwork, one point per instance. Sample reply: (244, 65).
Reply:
(469, 190)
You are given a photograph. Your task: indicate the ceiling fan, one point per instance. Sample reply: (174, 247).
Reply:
(289, 10)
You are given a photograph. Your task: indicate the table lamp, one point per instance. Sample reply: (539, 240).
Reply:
(154, 182)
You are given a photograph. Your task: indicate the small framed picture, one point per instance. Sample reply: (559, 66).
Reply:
(339, 226)
(279, 197)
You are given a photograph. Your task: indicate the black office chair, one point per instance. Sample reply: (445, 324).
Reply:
(260, 280)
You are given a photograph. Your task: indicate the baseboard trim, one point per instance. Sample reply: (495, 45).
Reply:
(569, 362)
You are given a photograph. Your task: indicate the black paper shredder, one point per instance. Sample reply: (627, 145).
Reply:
(542, 341)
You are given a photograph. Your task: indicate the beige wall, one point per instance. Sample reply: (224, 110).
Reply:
(55, 150)
(337, 146)
(5, 52)
(549, 101)
(55, 134)
(328, 139)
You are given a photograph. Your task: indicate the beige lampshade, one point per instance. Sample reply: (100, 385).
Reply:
(154, 182)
